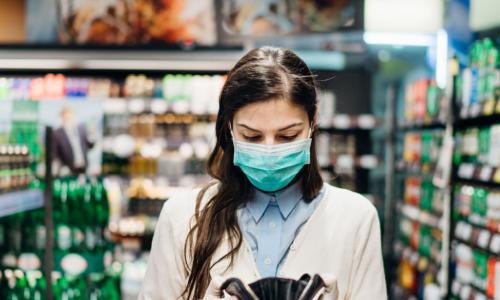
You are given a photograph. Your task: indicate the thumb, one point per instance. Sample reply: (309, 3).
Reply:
(330, 284)
(213, 291)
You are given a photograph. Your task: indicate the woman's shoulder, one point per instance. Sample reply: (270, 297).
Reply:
(178, 211)
(349, 203)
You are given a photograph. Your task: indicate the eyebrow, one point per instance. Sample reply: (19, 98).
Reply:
(281, 129)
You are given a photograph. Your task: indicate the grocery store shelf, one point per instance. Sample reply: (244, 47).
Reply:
(416, 168)
(416, 214)
(131, 60)
(481, 222)
(349, 162)
(141, 105)
(479, 114)
(421, 125)
(19, 201)
(479, 174)
(479, 238)
(402, 293)
(470, 244)
(466, 291)
(415, 258)
(348, 124)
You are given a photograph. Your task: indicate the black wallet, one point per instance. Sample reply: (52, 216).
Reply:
(275, 288)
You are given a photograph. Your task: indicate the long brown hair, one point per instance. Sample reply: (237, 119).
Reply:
(262, 74)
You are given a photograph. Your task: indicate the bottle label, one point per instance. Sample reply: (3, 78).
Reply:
(2, 236)
(78, 236)
(74, 264)
(16, 239)
(108, 259)
(29, 262)
(90, 238)
(41, 235)
(9, 260)
(63, 237)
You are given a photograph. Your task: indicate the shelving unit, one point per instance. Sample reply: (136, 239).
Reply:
(20, 201)
(421, 206)
(475, 239)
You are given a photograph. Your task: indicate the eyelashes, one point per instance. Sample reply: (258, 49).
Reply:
(286, 138)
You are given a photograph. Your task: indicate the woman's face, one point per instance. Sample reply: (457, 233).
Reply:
(271, 122)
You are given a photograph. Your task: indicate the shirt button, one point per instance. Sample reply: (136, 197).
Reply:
(267, 261)
(272, 225)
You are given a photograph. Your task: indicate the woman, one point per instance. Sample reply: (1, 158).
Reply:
(268, 212)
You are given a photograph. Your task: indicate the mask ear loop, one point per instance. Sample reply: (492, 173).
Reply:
(310, 130)
(230, 129)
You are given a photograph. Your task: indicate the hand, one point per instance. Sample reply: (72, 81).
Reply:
(214, 292)
(331, 284)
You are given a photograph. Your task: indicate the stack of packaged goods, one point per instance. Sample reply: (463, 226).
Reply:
(477, 153)
(83, 253)
(476, 189)
(419, 244)
(477, 240)
(164, 128)
(15, 167)
(424, 103)
(421, 150)
(478, 85)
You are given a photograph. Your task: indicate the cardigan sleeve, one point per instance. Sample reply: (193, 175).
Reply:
(367, 276)
(165, 274)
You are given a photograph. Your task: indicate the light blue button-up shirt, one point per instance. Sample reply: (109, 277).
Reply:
(271, 221)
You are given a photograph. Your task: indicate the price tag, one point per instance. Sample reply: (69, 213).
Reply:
(485, 174)
(368, 161)
(475, 110)
(496, 178)
(342, 121)
(466, 171)
(479, 296)
(115, 106)
(136, 106)
(495, 244)
(484, 239)
(366, 121)
(489, 107)
(159, 106)
(464, 112)
(455, 287)
(467, 232)
(465, 292)
(459, 230)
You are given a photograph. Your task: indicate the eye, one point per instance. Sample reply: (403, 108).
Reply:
(254, 138)
(289, 137)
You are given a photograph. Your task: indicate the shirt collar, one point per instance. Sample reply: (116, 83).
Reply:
(286, 199)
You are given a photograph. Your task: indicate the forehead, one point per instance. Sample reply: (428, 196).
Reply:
(270, 114)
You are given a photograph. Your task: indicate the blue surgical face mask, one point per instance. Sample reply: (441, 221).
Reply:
(271, 167)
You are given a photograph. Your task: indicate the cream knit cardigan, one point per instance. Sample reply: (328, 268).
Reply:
(342, 237)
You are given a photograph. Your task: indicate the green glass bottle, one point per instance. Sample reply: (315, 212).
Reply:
(3, 236)
(4, 285)
(101, 213)
(90, 221)
(484, 145)
(22, 288)
(28, 231)
(14, 240)
(62, 229)
(76, 216)
(41, 232)
(109, 290)
(40, 287)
